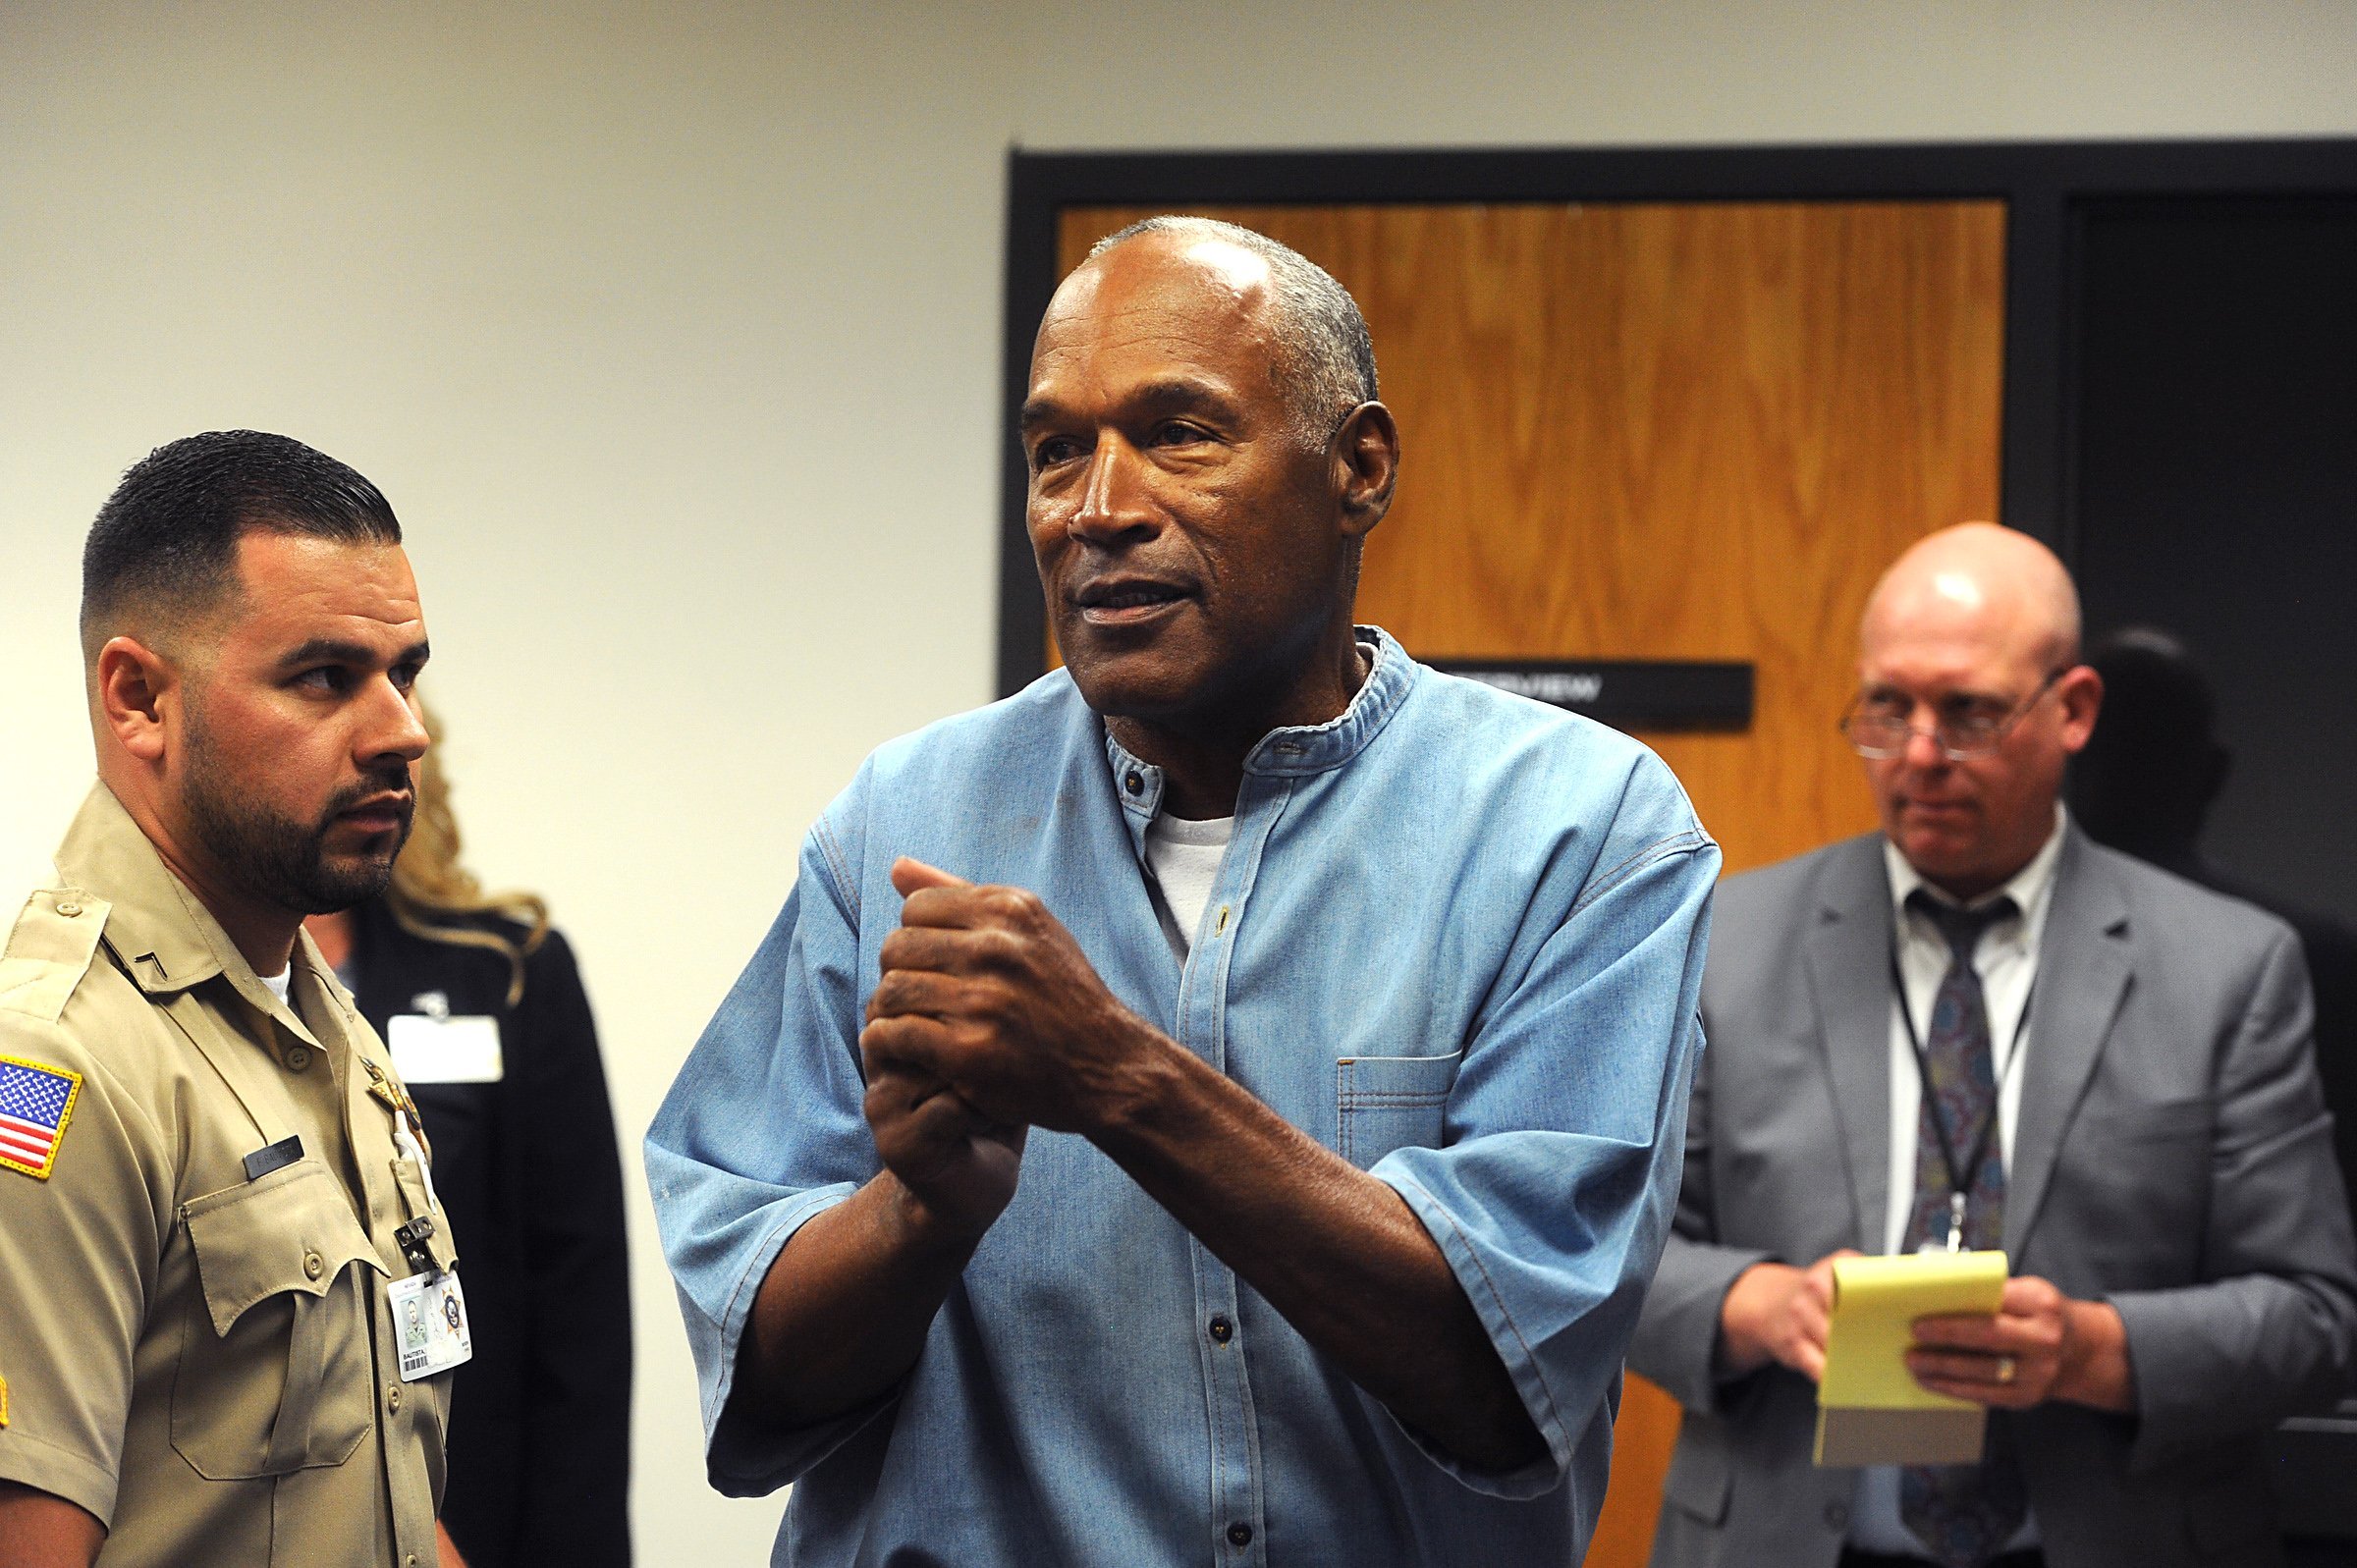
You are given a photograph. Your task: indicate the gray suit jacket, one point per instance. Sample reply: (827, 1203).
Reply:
(2173, 1156)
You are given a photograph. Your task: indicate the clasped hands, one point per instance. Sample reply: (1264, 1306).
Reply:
(2040, 1346)
(987, 1020)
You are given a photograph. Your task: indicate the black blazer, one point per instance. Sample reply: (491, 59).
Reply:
(529, 1174)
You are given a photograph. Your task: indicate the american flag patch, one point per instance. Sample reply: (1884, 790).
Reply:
(35, 1103)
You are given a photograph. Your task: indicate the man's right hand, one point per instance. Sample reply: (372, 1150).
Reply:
(959, 1167)
(1775, 1312)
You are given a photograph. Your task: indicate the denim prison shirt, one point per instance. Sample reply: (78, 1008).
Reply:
(1456, 937)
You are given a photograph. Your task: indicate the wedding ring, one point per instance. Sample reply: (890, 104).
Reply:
(2005, 1369)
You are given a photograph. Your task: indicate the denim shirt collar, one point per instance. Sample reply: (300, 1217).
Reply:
(1291, 752)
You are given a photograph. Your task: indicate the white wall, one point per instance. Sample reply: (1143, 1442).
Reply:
(673, 331)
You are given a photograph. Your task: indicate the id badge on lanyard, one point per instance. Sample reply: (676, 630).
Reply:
(1959, 1174)
(429, 1317)
(429, 1309)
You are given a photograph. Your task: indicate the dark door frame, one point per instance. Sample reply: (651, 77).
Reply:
(2042, 185)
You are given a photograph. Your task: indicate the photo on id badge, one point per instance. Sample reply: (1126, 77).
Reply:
(431, 1311)
(412, 1331)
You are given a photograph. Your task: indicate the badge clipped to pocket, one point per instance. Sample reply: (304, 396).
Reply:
(429, 1321)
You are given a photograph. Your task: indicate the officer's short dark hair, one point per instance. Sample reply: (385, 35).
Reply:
(164, 549)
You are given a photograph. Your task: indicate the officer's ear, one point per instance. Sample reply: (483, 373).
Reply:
(136, 689)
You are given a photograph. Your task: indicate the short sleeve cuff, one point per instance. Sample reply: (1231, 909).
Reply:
(1540, 1476)
(746, 1457)
(44, 1467)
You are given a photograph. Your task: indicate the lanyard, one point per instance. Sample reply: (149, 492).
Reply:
(1958, 1183)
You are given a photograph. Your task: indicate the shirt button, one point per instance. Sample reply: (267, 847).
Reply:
(69, 908)
(314, 1266)
(1239, 1534)
(393, 1399)
(1135, 781)
(299, 1058)
(1222, 1331)
(1837, 1515)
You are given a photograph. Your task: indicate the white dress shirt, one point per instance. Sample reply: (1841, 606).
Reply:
(2006, 961)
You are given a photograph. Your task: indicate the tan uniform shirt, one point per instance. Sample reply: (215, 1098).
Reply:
(204, 1362)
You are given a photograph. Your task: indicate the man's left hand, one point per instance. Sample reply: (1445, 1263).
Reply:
(986, 990)
(2040, 1345)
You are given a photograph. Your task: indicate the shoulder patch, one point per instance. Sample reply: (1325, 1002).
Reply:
(49, 951)
(37, 1101)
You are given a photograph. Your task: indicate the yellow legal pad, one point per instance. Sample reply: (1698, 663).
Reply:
(1870, 1410)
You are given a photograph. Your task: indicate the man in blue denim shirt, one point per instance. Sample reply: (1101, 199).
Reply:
(1337, 1017)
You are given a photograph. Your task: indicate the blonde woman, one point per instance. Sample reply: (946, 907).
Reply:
(478, 997)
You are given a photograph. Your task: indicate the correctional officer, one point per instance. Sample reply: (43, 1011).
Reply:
(228, 1303)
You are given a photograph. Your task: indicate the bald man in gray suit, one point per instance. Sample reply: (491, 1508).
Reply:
(1980, 1028)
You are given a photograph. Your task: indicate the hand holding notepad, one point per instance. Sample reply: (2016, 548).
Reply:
(1870, 1409)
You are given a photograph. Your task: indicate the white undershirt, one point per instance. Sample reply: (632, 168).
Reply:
(1184, 856)
(2006, 961)
(280, 984)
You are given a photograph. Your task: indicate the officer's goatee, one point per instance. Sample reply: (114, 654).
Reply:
(278, 859)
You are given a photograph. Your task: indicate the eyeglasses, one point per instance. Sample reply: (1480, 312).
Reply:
(1879, 726)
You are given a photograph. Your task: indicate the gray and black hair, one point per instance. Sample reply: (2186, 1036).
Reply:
(1327, 366)
(164, 548)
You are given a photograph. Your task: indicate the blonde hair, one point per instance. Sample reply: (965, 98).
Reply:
(431, 893)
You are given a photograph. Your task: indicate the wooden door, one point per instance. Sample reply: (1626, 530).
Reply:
(1670, 431)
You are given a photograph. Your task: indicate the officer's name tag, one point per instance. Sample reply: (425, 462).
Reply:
(429, 1322)
(430, 1050)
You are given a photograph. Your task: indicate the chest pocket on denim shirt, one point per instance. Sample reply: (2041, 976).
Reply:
(1388, 1102)
(275, 1370)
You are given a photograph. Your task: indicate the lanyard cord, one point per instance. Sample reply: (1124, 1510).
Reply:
(1957, 1183)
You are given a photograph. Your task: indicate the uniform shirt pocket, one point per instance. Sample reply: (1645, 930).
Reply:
(1388, 1103)
(275, 1369)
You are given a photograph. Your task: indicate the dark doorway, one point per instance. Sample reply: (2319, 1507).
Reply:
(2217, 498)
